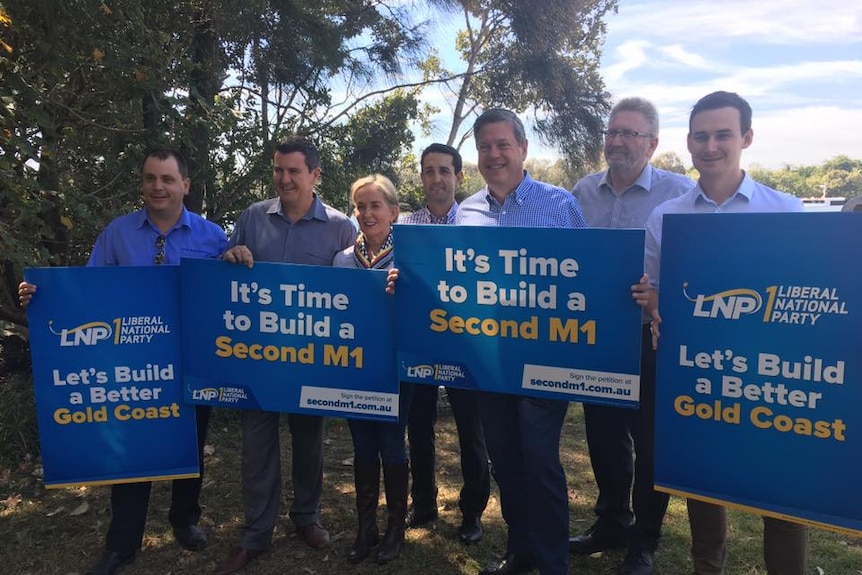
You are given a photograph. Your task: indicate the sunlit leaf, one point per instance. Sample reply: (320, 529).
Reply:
(80, 509)
(56, 511)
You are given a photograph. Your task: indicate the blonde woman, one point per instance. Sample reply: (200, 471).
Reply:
(375, 442)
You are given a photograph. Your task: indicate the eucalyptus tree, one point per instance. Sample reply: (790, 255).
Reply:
(535, 56)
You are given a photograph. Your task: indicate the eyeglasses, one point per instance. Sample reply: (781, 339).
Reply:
(626, 135)
(160, 250)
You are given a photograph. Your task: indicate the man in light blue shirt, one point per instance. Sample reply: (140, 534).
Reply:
(719, 129)
(522, 433)
(623, 197)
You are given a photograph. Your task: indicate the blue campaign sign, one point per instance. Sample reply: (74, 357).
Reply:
(105, 345)
(292, 338)
(759, 390)
(542, 312)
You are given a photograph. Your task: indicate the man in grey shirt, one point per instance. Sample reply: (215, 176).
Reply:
(295, 227)
(621, 440)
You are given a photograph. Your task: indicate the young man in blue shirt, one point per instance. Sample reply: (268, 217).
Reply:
(719, 130)
(441, 175)
(160, 233)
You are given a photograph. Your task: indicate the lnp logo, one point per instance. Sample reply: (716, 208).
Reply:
(729, 304)
(420, 371)
(89, 333)
(206, 394)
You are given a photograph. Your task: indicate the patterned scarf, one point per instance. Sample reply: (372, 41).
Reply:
(380, 261)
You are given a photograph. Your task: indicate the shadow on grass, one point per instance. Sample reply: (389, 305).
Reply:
(47, 533)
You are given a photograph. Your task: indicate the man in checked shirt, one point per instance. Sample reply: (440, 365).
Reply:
(522, 433)
(441, 175)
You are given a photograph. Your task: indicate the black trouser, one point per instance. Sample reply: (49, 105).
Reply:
(615, 435)
(471, 439)
(129, 501)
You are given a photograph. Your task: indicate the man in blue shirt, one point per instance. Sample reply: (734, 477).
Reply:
(522, 433)
(719, 130)
(623, 197)
(162, 232)
(441, 175)
(294, 227)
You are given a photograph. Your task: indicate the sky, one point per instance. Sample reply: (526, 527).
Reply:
(797, 62)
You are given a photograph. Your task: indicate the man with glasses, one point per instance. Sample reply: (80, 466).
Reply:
(620, 440)
(161, 232)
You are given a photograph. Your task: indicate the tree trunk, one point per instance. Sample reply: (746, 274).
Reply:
(205, 82)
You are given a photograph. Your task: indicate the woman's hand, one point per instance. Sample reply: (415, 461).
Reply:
(391, 278)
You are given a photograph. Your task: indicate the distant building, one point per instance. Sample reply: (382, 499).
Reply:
(824, 204)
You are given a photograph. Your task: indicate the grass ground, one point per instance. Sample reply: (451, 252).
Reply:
(61, 532)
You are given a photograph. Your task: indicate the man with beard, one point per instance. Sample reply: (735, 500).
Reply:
(623, 196)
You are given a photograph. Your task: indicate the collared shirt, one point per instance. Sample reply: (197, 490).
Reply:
(750, 196)
(603, 208)
(424, 216)
(314, 239)
(531, 205)
(131, 240)
(345, 259)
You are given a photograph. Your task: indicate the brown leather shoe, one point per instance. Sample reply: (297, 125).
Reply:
(237, 560)
(314, 535)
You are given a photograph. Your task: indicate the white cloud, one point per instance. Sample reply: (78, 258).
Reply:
(630, 55)
(761, 80)
(678, 54)
(770, 21)
(804, 96)
(788, 83)
(798, 136)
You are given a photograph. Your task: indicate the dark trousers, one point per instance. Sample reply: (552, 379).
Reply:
(622, 447)
(523, 439)
(382, 441)
(785, 544)
(261, 473)
(471, 439)
(130, 501)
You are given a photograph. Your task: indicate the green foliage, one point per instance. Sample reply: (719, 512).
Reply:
(18, 430)
(373, 141)
(840, 176)
(669, 161)
(547, 171)
(225, 80)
